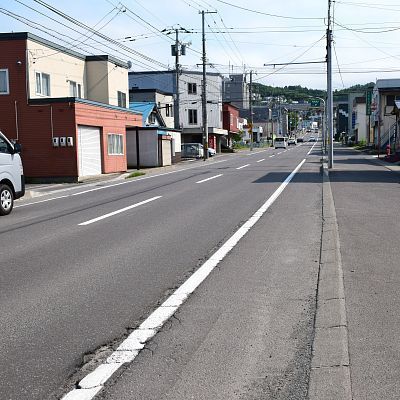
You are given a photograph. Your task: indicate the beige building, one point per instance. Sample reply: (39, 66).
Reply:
(57, 72)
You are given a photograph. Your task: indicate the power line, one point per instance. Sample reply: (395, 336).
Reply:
(268, 14)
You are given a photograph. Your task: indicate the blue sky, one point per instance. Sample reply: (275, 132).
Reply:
(366, 35)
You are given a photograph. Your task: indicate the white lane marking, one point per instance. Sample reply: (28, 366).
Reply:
(263, 159)
(280, 152)
(311, 148)
(284, 151)
(273, 155)
(114, 184)
(209, 179)
(42, 201)
(94, 382)
(256, 152)
(243, 166)
(91, 221)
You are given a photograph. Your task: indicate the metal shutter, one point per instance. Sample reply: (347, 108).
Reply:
(89, 150)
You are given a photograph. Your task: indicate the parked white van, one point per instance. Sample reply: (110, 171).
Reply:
(280, 142)
(12, 182)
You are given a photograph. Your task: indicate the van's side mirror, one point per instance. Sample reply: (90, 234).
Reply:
(17, 148)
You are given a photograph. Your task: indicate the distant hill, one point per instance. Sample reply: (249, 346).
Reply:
(302, 94)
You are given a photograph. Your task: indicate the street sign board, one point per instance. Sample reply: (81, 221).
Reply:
(368, 98)
(315, 103)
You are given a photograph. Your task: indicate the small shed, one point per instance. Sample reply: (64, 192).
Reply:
(152, 147)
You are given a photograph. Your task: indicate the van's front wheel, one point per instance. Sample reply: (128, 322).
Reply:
(6, 200)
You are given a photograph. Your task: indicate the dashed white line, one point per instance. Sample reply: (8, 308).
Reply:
(243, 166)
(91, 221)
(263, 159)
(280, 152)
(273, 155)
(125, 182)
(209, 179)
(94, 382)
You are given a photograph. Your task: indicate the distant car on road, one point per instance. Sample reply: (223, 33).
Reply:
(280, 142)
(312, 139)
(300, 140)
(196, 150)
(211, 152)
(292, 140)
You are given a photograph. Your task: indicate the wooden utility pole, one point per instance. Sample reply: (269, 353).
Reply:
(251, 109)
(329, 127)
(204, 86)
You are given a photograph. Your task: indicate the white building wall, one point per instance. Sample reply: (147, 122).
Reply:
(193, 101)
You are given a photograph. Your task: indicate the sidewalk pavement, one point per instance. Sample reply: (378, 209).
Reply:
(365, 192)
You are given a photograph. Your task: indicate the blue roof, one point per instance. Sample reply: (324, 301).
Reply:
(145, 107)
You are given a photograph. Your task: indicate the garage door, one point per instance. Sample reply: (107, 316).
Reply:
(89, 150)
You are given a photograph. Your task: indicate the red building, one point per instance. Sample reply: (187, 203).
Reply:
(230, 120)
(68, 110)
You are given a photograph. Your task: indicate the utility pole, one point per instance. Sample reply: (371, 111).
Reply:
(177, 66)
(204, 90)
(177, 49)
(251, 110)
(329, 128)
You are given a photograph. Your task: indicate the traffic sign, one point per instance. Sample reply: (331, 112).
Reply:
(315, 103)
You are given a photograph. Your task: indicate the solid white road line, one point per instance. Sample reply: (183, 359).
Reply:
(209, 179)
(243, 166)
(311, 148)
(119, 211)
(263, 159)
(94, 382)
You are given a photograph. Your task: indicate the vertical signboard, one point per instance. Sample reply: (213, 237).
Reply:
(368, 101)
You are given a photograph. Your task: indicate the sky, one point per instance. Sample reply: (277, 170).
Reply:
(241, 35)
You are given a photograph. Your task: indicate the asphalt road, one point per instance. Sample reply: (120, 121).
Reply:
(82, 267)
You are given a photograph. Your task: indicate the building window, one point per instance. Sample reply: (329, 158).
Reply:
(115, 144)
(152, 118)
(42, 84)
(4, 85)
(169, 110)
(192, 117)
(121, 99)
(75, 89)
(390, 99)
(192, 88)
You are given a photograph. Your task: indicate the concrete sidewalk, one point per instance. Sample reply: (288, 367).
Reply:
(365, 192)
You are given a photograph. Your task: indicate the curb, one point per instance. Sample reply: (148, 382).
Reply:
(330, 363)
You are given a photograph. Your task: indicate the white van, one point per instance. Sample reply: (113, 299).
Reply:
(12, 182)
(280, 142)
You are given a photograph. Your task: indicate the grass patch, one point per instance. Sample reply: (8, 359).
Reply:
(134, 175)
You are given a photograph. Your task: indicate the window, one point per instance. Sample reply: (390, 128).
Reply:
(192, 117)
(42, 84)
(152, 118)
(4, 146)
(4, 86)
(192, 88)
(391, 98)
(169, 110)
(121, 99)
(115, 144)
(75, 89)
